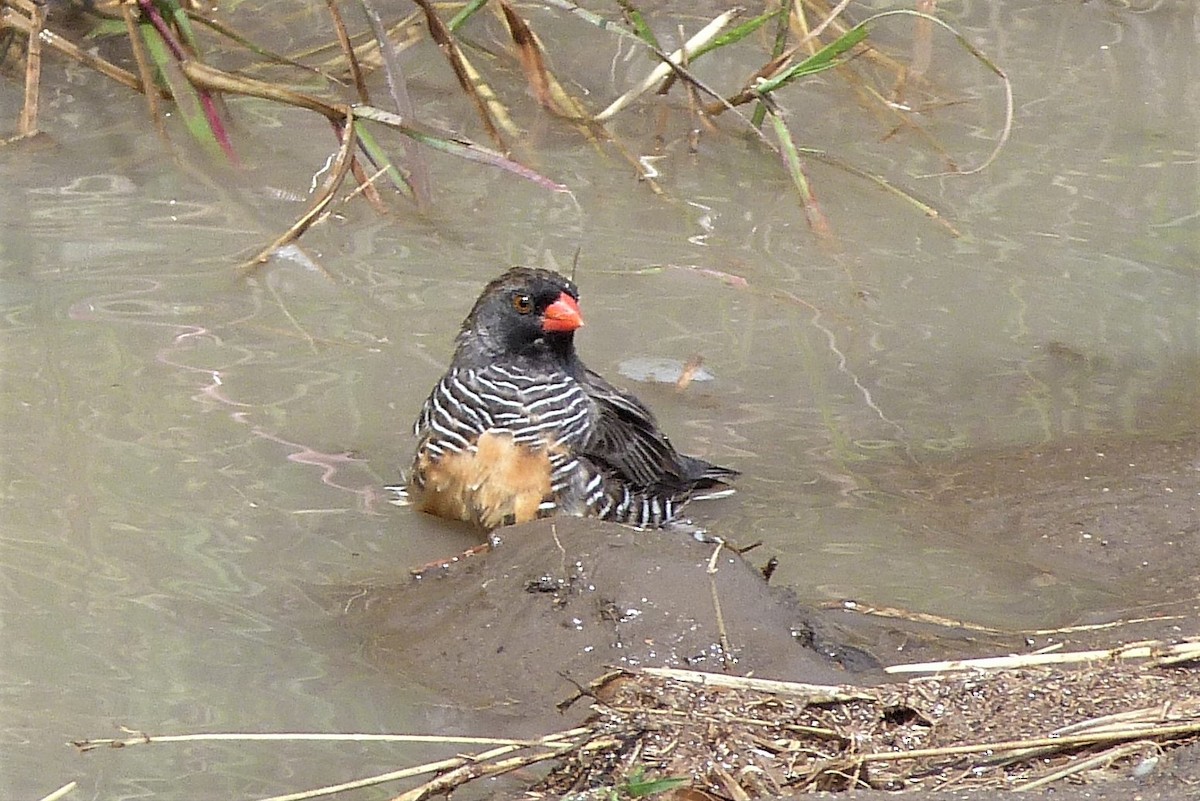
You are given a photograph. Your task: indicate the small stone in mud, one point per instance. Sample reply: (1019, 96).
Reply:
(544, 583)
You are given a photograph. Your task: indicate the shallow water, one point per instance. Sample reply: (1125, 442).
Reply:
(186, 451)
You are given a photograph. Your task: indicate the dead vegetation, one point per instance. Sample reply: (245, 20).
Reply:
(1010, 729)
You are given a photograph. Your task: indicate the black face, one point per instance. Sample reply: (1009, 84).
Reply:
(523, 312)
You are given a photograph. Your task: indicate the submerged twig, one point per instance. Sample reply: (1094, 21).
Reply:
(27, 124)
(325, 195)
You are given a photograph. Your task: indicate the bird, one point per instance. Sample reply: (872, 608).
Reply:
(519, 429)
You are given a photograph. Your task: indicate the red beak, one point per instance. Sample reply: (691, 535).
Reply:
(562, 315)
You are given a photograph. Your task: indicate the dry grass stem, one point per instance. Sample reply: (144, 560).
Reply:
(661, 71)
(68, 48)
(343, 39)
(491, 113)
(813, 693)
(61, 792)
(145, 68)
(141, 738)
(1179, 652)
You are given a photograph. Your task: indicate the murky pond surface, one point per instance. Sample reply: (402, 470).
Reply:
(187, 451)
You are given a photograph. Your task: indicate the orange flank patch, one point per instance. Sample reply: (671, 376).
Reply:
(500, 483)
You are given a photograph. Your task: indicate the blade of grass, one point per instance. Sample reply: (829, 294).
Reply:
(926, 209)
(366, 48)
(366, 184)
(465, 14)
(187, 34)
(736, 35)
(219, 80)
(356, 73)
(418, 169)
(638, 23)
(603, 23)
(197, 106)
(826, 58)
(660, 71)
(469, 81)
(375, 153)
(781, 33)
(983, 59)
(211, 78)
(530, 55)
(725, 39)
(137, 46)
(774, 67)
(817, 220)
(237, 38)
(768, 75)
(833, 14)
(186, 98)
(456, 147)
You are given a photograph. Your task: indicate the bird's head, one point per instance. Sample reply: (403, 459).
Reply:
(525, 312)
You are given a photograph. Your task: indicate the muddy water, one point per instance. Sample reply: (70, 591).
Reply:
(187, 454)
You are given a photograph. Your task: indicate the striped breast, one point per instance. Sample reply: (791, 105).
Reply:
(498, 445)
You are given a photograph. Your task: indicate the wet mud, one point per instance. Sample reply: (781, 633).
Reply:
(1120, 515)
(559, 602)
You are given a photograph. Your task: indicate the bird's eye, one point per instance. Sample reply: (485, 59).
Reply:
(522, 303)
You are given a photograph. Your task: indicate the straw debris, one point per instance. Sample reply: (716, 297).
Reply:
(1008, 729)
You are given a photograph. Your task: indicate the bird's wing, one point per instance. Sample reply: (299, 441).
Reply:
(626, 437)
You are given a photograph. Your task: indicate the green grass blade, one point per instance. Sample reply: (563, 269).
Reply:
(827, 57)
(184, 94)
(781, 36)
(737, 34)
(176, 14)
(467, 12)
(640, 27)
(795, 167)
(378, 155)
